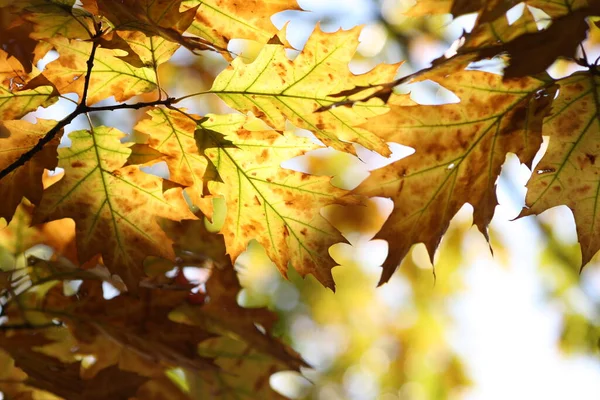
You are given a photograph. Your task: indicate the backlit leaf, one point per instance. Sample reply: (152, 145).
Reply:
(26, 180)
(111, 76)
(15, 102)
(220, 21)
(568, 173)
(277, 207)
(275, 89)
(172, 134)
(459, 151)
(114, 207)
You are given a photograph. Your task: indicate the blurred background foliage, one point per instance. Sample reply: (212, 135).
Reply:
(523, 323)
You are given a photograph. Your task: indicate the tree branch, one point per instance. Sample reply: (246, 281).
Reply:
(28, 155)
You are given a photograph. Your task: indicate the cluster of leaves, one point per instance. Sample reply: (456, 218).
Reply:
(158, 338)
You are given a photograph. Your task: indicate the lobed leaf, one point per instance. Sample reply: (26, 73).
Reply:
(111, 76)
(25, 181)
(220, 21)
(277, 207)
(459, 152)
(568, 174)
(275, 89)
(172, 133)
(114, 207)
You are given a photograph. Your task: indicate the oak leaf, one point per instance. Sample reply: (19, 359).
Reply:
(26, 180)
(275, 89)
(246, 354)
(568, 173)
(171, 133)
(152, 18)
(15, 99)
(220, 21)
(111, 76)
(277, 207)
(459, 152)
(114, 207)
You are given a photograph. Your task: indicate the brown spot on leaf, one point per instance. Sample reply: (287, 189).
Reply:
(591, 158)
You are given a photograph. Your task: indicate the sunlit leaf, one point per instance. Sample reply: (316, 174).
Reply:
(277, 207)
(459, 152)
(114, 207)
(275, 89)
(568, 174)
(26, 180)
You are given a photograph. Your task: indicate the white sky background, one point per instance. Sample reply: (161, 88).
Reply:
(506, 329)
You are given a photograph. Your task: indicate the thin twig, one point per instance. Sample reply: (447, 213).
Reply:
(90, 66)
(136, 106)
(28, 326)
(40, 144)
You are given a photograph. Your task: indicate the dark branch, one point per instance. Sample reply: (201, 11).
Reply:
(136, 106)
(29, 326)
(90, 66)
(28, 155)
(81, 108)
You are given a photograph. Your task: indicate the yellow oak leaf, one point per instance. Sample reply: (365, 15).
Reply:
(111, 76)
(114, 207)
(459, 152)
(14, 101)
(152, 50)
(277, 89)
(568, 173)
(26, 180)
(220, 21)
(276, 206)
(172, 134)
(51, 18)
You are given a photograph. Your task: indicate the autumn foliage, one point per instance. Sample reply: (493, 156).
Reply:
(104, 219)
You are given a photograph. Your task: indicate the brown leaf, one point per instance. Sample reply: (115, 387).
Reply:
(459, 152)
(568, 172)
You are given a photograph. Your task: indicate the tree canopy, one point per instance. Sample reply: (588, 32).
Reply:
(86, 209)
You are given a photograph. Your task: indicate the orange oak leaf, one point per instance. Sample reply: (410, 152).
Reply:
(26, 180)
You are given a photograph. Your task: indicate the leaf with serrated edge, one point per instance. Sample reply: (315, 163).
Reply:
(277, 207)
(111, 76)
(277, 89)
(220, 21)
(114, 207)
(459, 151)
(15, 103)
(172, 133)
(26, 180)
(568, 172)
(54, 18)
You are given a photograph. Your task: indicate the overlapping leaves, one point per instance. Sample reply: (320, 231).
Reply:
(459, 152)
(129, 224)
